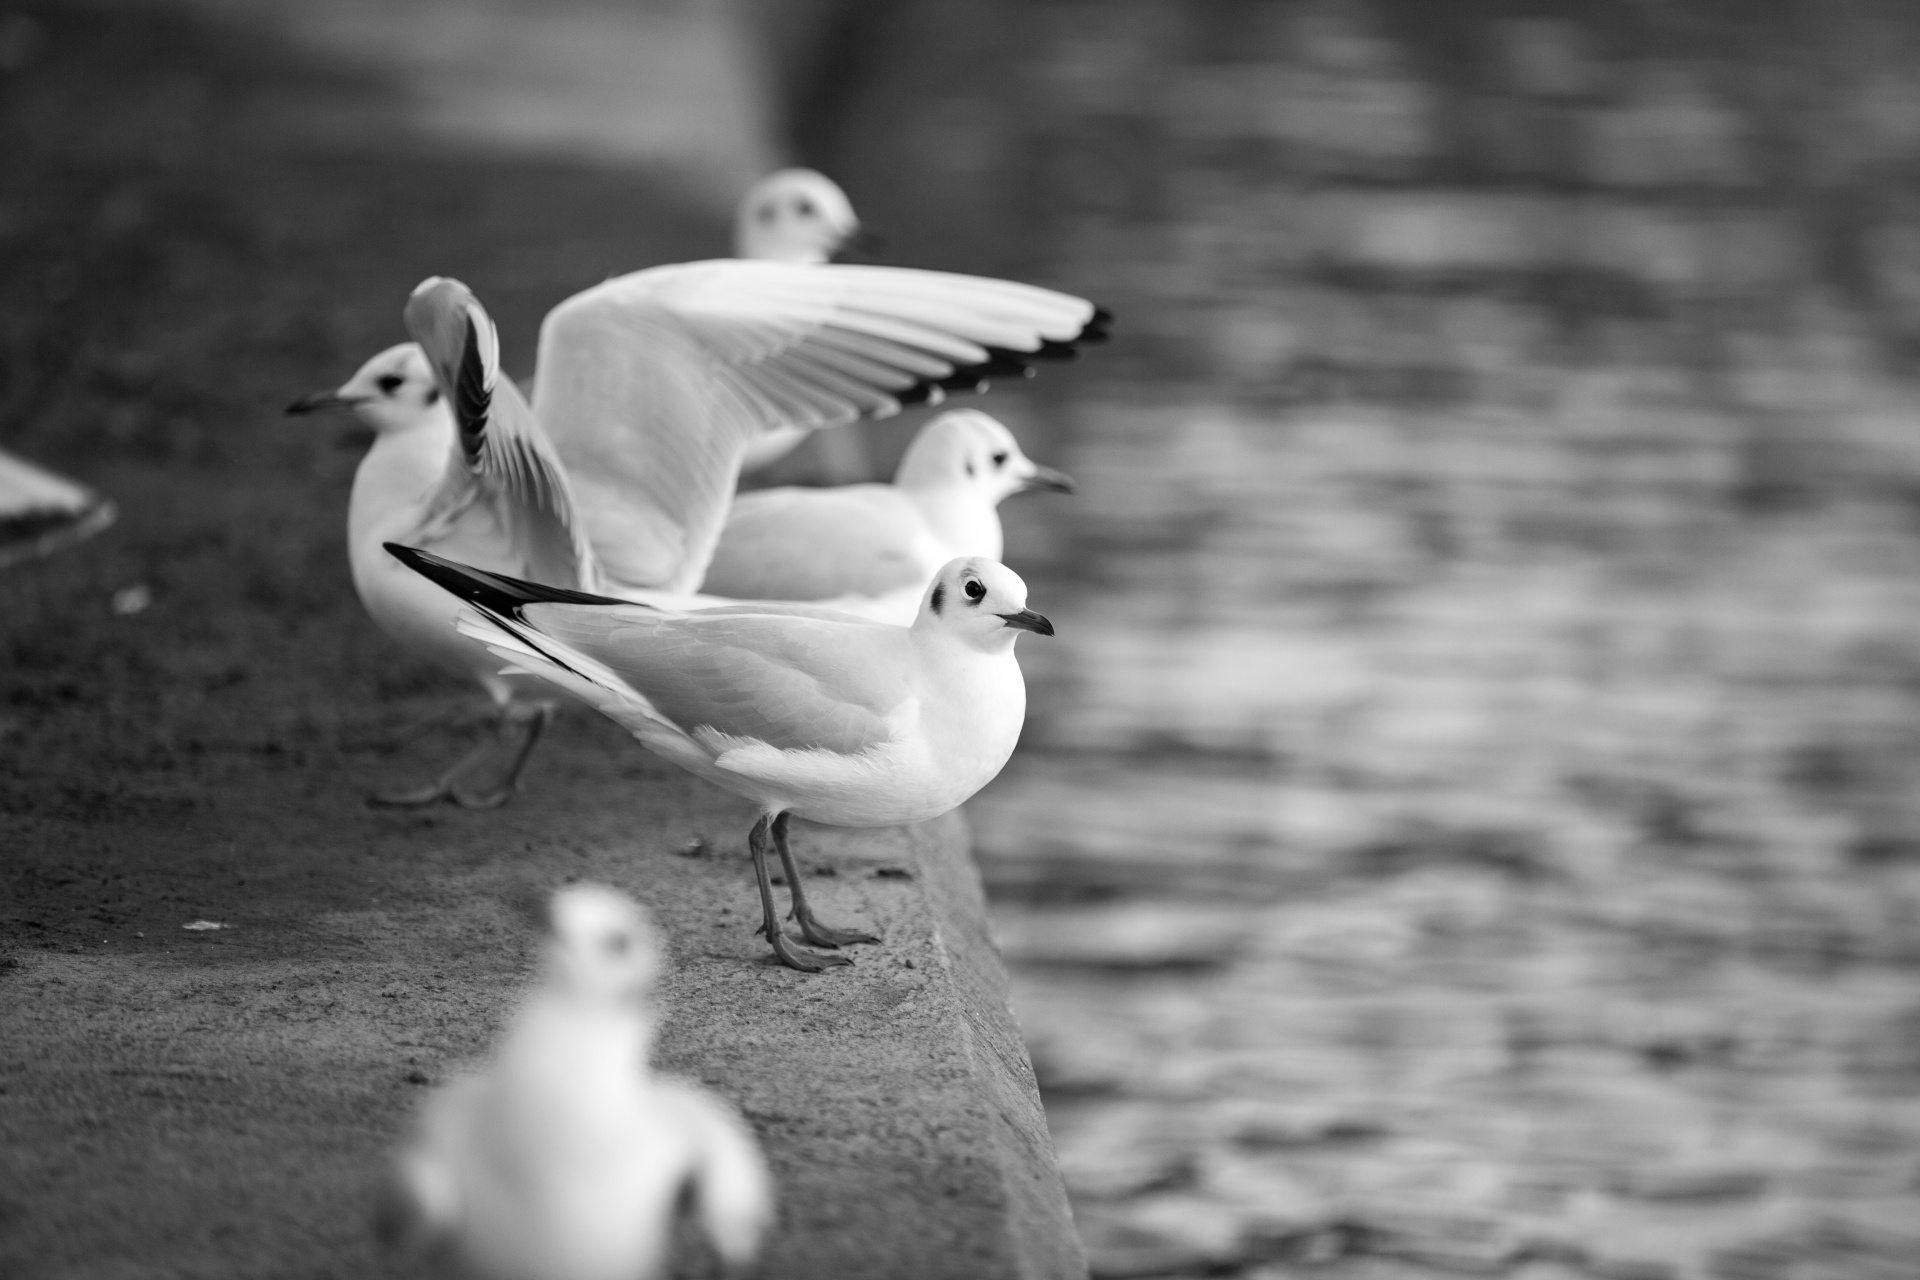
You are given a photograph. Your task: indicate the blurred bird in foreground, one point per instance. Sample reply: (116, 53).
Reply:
(651, 385)
(881, 542)
(833, 718)
(566, 1159)
(40, 512)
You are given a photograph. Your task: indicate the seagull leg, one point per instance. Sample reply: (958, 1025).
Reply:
(523, 722)
(811, 929)
(793, 957)
(440, 788)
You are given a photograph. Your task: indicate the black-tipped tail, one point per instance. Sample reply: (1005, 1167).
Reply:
(493, 591)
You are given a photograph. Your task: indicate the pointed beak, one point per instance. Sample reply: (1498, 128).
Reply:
(1028, 620)
(1048, 478)
(319, 401)
(862, 244)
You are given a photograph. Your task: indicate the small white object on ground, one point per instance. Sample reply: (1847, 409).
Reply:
(881, 543)
(833, 718)
(202, 926)
(566, 1158)
(130, 601)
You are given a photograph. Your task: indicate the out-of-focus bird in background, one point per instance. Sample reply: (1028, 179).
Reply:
(40, 512)
(836, 719)
(566, 1158)
(792, 215)
(884, 542)
(619, 477)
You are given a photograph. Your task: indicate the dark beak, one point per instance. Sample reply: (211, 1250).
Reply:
(1028, 620)
(863, 245)
(319, 401)
(1048, 478)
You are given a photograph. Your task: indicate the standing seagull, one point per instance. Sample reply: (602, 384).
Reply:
(651, 385)
(567, 1159)
(836, 719)
(883, 542)
(480, 482)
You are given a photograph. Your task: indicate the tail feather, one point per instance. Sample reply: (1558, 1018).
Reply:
(499, 592)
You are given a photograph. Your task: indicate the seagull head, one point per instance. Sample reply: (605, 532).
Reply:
(605, 948)
(391, 392)
(794, 215)
(980, 602)
(967, 450)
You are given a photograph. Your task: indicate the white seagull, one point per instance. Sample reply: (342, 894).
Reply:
(831, 717)
(481, 483)
(880, 542)
(618, 478)
(566, 1159)
(793, 215)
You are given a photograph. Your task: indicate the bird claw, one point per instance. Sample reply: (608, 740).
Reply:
(802, 959)
(821, 935)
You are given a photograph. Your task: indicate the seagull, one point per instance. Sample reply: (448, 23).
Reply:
(617, 479)
(881, 542)
(457, 464)
(831, 717)
(793, 215)
(566, 1159)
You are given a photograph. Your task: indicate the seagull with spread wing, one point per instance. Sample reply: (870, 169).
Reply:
(803, 711)
(618, 478)
(876, 547)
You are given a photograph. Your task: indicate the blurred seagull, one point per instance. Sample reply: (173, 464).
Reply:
(833, 718)
(793, 215)
(40, 512)
(479, 482)
(566, 1159)
(881, 543)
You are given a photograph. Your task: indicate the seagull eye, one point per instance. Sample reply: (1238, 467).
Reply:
(803, 207)
(976, 590)
(390, 383)
(1000, 458)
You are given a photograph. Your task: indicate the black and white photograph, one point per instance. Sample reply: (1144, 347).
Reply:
(959, 640)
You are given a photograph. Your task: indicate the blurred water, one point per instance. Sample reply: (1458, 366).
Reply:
(1466, 820)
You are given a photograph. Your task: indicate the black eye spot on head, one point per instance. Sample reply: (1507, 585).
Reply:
(1000, 458)
(766, 213)
(617, 944)
(969, 468)
(939, 596)
(433, 395)
(803, 207)
(976, 591)
(390, 383)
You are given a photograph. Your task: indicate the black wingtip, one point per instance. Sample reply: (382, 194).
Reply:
(1003, 362)
(498, 592)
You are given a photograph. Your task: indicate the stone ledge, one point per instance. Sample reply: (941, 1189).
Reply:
(222, 1101)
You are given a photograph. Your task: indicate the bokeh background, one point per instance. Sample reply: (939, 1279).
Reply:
(1467, 821)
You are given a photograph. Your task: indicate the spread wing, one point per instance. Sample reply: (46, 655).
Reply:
(817, 544)
(797, 683)
(504, 489)
(652, 384)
